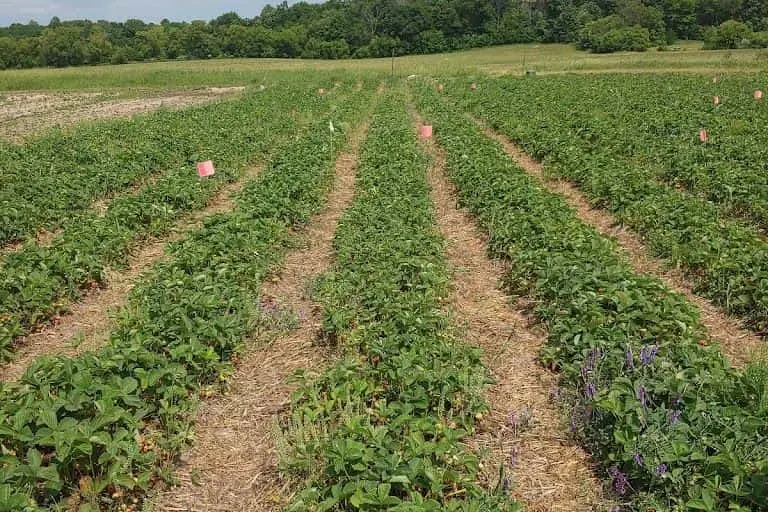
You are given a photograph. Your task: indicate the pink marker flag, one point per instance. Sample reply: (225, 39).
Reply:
(758, 94)
(716, 100)
(205, 169)
(703, 136)
(426, 131)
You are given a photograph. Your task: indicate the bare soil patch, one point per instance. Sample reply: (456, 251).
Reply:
(88, 324)
(738, 344)
(233, 464)
(549, 472)
(24, 114)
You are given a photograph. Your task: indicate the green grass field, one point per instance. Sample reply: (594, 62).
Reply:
(513, 59)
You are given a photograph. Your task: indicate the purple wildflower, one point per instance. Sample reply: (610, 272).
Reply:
(638, 458)
(661, 469)
(648, 354)
(620, 481)
(513, 457)
(592, 358)
(512, 420)
(590, 391)
(677, 400)
(615, 509)
(642, 396)
(674, 417)
(630, 359)
(505, 486)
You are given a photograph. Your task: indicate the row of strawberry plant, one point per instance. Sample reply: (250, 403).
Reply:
(382, 429)
(726, 260)
(53, 178)
(674, 426)
(98, 427)
(657, 119)
(38, 282)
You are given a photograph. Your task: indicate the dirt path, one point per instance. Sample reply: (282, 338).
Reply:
(87, 325)
(550, 474)
(233, 465)
(738, 344)
(24, 114)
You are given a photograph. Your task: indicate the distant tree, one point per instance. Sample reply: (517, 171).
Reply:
(228, 18)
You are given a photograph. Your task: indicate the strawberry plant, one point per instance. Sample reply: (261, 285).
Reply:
(726, 259)
(97, 427)
(37, 282)
(673, 425)
(382, 429)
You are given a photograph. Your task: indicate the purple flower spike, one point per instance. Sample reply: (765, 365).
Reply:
(513, 458)
(512, 420)
(648, 354)
(674, 417)
(620, 481)
(615, 509)
(592, 358)
(590, 391)
(630, 359)
(638, 458)
(642, 396)
(661, 469)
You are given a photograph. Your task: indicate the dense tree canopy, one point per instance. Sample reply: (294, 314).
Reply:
(340, 29)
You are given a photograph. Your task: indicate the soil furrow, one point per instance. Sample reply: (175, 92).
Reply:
(525, 432)
(738, 344)
(20, 119)
(233, 463)
(88, 323)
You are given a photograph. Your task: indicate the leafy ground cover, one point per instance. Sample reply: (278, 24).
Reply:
(94, 432)
(51, 180)
(38, 282)
(382, 429)
(673, 426)
(726, 259)
(655, 121)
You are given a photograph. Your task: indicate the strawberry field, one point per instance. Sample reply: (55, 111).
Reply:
(391, 416)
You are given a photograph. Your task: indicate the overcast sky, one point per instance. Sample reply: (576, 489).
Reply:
(22, 11)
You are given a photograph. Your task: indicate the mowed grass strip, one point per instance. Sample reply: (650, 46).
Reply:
(383, 428)
(98, 429)
(673, 425)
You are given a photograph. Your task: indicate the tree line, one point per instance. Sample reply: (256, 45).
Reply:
(339, 29)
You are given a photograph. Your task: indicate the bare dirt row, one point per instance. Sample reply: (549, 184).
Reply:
(23, 114)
